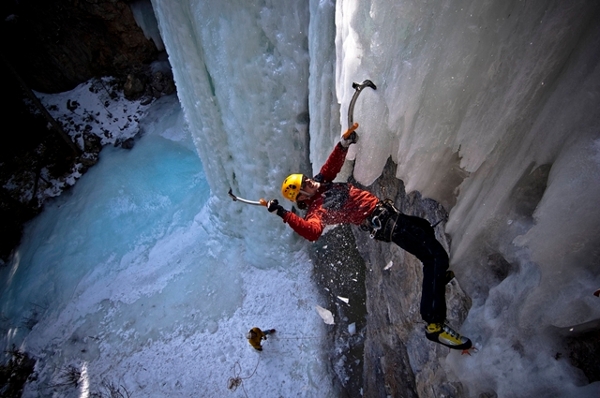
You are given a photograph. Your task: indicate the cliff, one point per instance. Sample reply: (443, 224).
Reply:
(53, 46)
(56, 45)
(388, 355)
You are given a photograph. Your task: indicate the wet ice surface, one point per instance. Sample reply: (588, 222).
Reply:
(128, 280)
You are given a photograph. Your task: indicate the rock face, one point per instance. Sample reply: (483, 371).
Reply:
(55, 45)
(52, 46)
(398, 360)
(339, 270)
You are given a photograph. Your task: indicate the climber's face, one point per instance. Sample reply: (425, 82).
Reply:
(308, 189)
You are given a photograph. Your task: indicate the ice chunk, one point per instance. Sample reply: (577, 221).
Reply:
(352, 328)
(325, 314)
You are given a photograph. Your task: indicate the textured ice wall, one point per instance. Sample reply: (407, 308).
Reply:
(241, 70)
(491, 108)
(488, 107)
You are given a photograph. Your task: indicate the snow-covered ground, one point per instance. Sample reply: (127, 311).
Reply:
(127, 280)
(93, 114)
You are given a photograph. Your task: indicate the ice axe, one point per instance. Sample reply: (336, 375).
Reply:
(357, 90)
(350, 131)
(260, 202)
(358, 87)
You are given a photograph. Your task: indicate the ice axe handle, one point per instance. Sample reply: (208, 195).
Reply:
(260, 202)
(350, 131)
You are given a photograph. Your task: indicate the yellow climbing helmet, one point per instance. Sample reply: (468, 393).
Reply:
(291, 186)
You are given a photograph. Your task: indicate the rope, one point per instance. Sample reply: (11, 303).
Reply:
(234, 382)
(437, 223)
(297, 338)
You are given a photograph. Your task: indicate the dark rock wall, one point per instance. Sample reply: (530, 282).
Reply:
(397, 360)
(339, 271)
(52, 46)
(58, 44)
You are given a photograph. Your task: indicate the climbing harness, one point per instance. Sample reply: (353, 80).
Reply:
(382, 221)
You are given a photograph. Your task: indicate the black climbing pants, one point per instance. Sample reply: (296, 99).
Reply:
(416, 236)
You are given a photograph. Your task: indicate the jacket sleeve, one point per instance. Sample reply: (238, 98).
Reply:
(310, 227)
(334, 163)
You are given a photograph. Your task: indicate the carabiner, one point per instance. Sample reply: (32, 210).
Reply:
(375, 226)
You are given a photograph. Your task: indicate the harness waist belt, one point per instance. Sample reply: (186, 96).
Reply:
(382, 221)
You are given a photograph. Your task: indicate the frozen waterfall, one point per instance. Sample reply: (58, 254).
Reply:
(490, 108)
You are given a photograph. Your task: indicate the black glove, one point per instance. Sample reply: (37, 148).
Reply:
(352, 136)
(352, 139)
(274, 207)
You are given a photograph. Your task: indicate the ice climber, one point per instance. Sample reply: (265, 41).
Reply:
(327, 203)
(255, 337)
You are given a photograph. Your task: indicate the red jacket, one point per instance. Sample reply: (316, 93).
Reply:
(349, 204)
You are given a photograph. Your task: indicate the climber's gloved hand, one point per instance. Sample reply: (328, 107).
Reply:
(352, 139)
(274, 207)
(351, 136)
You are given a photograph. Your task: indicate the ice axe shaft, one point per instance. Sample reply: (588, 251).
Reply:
(260, 202)
(357, 90)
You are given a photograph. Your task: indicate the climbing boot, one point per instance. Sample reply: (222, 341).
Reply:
(443, 334)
